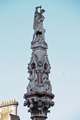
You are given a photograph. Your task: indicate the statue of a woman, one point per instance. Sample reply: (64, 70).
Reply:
(38, 22)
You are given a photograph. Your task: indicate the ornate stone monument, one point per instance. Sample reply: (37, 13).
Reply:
(39, 95)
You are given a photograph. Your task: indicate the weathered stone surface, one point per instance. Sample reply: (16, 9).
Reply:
(39, 90)
(38, 106)
(38, 25)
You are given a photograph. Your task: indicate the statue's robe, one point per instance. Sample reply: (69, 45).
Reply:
(38, 22)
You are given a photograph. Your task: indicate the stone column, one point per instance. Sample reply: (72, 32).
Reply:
(38, 97)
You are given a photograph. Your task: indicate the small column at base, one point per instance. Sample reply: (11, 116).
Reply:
(38, 118)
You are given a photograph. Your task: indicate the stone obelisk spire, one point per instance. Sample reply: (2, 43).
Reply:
(39, 91)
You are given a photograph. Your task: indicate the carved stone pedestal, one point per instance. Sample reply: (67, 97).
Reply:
(38, 104)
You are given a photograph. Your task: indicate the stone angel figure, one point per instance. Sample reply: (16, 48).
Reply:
(38, 22)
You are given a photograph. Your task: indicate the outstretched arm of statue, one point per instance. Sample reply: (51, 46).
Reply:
(38, 7)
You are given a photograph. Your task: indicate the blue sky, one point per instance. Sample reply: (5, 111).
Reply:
(62, 24)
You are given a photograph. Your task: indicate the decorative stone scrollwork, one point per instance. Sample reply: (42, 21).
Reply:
(36, 69)
(39, 106)
(32, 83)
(40, 64)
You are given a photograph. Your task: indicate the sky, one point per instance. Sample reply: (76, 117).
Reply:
(62, 24)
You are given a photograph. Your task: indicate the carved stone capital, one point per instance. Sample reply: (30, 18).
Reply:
(39, 106)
